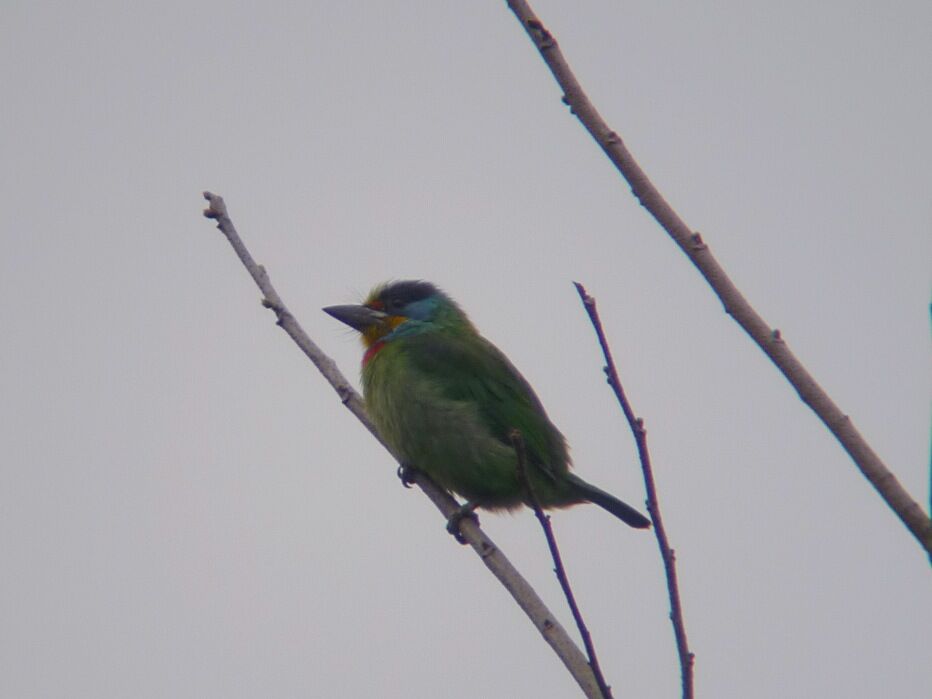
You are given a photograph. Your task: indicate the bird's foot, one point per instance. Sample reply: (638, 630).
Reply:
(466, 511)
(406, 472)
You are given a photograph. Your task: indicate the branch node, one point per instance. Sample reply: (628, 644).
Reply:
(345, 393)
(216, 208)
(542, 37)
(566, 100)
(775, 335)
(697, 242)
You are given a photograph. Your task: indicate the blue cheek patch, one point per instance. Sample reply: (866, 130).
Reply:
(409, 327)
(419, 314)
(421, 310)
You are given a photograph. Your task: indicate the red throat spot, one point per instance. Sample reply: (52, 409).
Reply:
(372, 351)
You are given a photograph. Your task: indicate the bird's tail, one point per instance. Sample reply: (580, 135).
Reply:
(625, 513)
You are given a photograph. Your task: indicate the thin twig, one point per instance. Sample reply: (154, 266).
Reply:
(493, 558)
(686, 657)
(767, 338)
(517, 441)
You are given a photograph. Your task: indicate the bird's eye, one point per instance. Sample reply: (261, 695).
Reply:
(395, 304)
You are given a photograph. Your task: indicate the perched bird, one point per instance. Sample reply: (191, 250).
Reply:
(446, 400)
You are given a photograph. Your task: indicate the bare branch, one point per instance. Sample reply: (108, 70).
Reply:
(517, 441)
(690, 242)
(686, 657)
(493, 558)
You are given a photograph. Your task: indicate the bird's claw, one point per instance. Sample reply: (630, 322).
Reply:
(406, 473)
(466, 511)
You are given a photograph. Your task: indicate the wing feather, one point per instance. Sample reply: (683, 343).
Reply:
(472, 369)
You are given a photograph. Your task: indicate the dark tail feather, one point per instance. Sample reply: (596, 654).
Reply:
(625, 513)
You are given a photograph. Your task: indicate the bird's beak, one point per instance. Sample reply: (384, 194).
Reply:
(357, 317)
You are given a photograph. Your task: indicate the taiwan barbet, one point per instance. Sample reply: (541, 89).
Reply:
(447, 400)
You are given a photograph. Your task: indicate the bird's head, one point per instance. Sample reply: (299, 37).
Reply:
(400, 309)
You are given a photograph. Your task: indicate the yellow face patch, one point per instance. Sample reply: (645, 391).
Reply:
(377, 331)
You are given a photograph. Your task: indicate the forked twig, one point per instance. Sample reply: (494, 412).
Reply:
(686, 657)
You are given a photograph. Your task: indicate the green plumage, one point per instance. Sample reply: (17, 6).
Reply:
(446, 399)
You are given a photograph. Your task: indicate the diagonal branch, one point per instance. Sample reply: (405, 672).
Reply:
(653, 504)
(767, 338)
(493, 558)
(517, 441)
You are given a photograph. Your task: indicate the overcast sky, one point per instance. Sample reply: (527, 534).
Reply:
(186, 510)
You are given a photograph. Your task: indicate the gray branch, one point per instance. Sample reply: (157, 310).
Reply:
(667, 555)
(519, 588)
(690, 242)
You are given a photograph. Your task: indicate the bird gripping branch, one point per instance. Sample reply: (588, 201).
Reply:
(446, 400)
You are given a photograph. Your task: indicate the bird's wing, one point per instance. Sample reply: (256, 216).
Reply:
(474, 370)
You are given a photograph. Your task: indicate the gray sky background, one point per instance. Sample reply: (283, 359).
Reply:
(186, 510)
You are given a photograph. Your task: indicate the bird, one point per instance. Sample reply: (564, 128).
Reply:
(447, 401)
